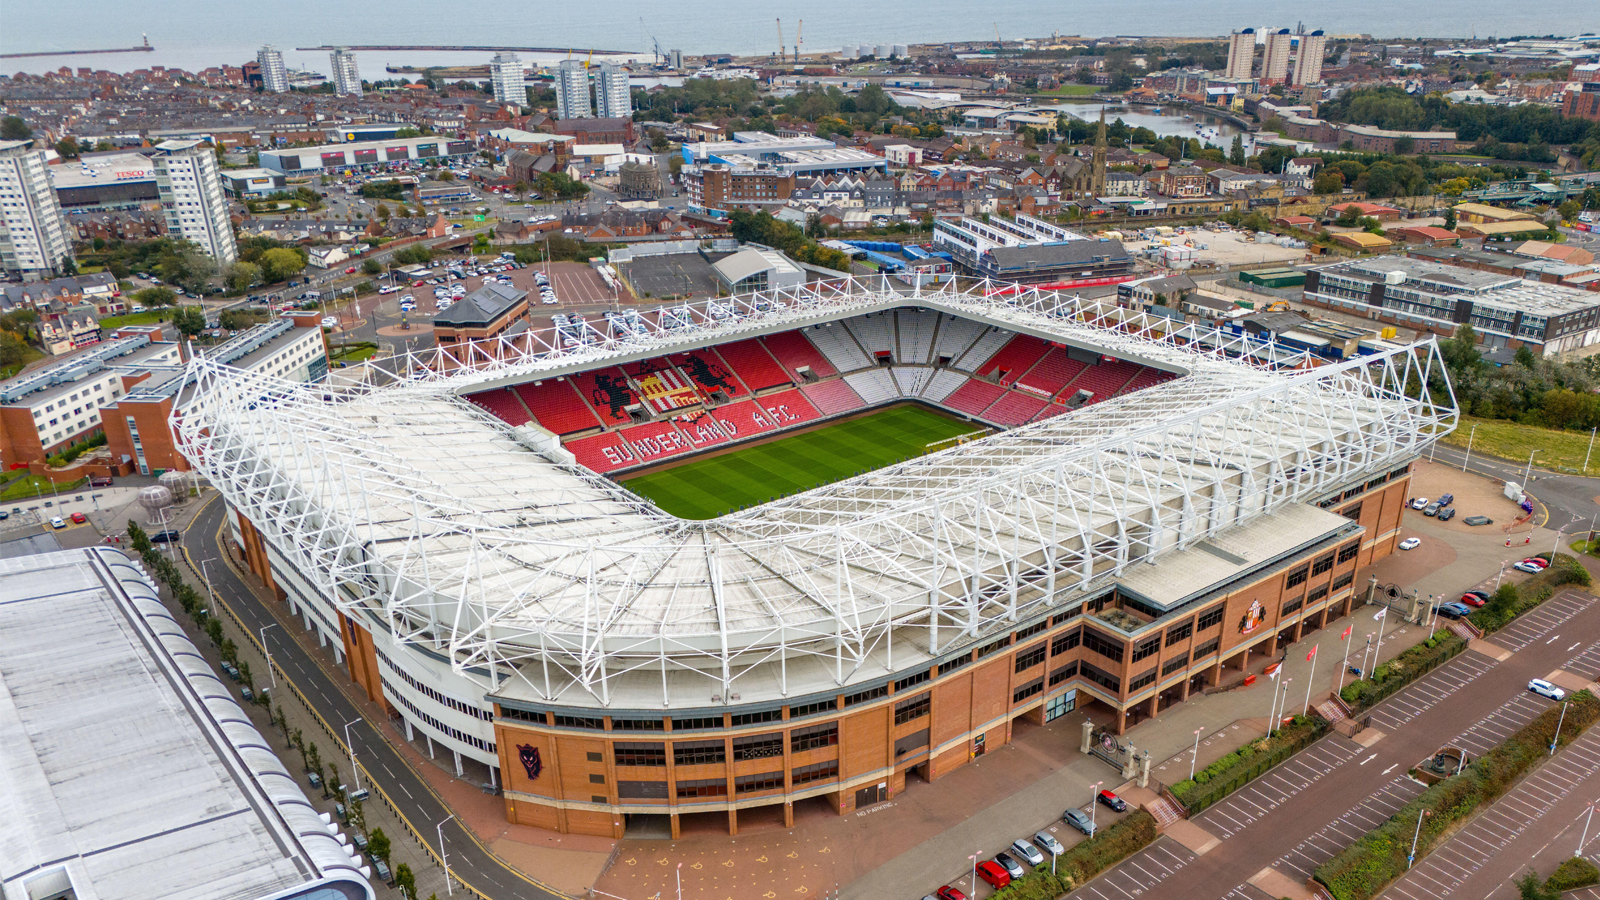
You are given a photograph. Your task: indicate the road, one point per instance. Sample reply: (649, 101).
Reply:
(1569, 500)
(1274, 832)
(409, 792)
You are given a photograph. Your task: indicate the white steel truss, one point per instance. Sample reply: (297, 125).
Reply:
(412, 507)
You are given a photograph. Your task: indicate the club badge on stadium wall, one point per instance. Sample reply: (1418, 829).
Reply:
(530, 760)
(1252, 617)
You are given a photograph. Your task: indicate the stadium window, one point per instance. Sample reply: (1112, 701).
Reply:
(1343, 580)
(696, 753)
(1349, 551)
(1147, 649)
(750, 784)
(1399, 472)
(1292, 606)
(867, 695)
(703, 724)
(803, 739)
(915, 708)
(1351, 512)
(1065, 642)
(597, 779)
(702, 787)
(636, 725)
(950, 665)
(1295, 578)
(761, 746)
(1067, 616)
(1143, 680)
(523, 715)
(1376, 482)
(1028, 690)
(1099, 603)
(1063, 673)
(1031, 630)
(1180, 632)
(811, 709)
(910, 681)
(1208, 648)
(1030, 657)
(1316, 595)
(580, 722)
(1174, 664)
(913, 741)
(1101, 677)
(631, 754)
(993, 646)
(596, 798)
(1100, 644)
(642, 790)
(815, 772)
(756, 718)
(1322, 564)
(1209, 619)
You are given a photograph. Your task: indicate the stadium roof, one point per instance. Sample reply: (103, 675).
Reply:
(543, 579)
(129, 771)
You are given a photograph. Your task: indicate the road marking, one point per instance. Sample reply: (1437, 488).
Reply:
(1390, 769)
(1369, 759)
(1553, 639)
(1575, 646)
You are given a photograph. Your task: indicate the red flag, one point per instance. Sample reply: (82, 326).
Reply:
(1311, 654)
(1347, 630)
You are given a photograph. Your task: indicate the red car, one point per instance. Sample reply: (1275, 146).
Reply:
(1536, 561)
(1472, 600)
(949, 893)
(990, 871)
(80, 518)
(350, 271)
(1116, 803)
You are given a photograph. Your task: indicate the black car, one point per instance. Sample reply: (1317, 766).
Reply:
(1446, 514)
(1117, 804)
(1481, 595)
(165, 537)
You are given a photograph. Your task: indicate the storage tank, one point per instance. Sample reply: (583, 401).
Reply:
(849, 51)
(902, 50)
(883, 51)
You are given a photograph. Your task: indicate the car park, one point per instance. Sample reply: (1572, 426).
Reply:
(1115, 803)
(1478, 520)
(1013, 868)
(991, 872)
(1026, 851)
(1546, 689)
(1048, 841)
(1419, 503)
(57, 522)
(1410, 543)
(1455, 610)
(1080, 820)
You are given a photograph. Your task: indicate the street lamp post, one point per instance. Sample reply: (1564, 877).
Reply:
(1528, 469)
(1411, 857)
(1470, 436)
(268, 654)
(1094, 796)
(1195, 758)
(1557, 739)
(1590, 451)
(445, 860)
(209, 592)
(1582, 839)
(354, 772)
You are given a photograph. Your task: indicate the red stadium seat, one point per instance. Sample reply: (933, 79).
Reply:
(608, 391)
(788, 409)
(503, 405)
(656, 441)
(601, 452)
(557, 406)
(1052, 373)
(753, 364)
(1014, 408)
(973, 397)
(793, 352)
(832, 397)
(1015, 358)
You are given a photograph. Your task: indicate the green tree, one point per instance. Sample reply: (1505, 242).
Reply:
(447, 175)
(1350, 217)
(521, 188)
(67, 147)
(407, 133)
(154, 297)
(1524, 357)
(378, 845)
(383, 212)
(406, 881)
(12, 128)
(1529, 887)
(1569, 209)
(658, 140)
(13, 351)
(1328, 181)
(371, 267)
(1450, 219)
(239, 319)
(242, 274)
(281, 263)
(1236, 152)
(189, 320)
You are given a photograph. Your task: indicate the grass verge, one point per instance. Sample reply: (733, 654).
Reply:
(1506, 606)
(1084, 860)
(1376, 859)
(1395, 674)
(31, 487)
(148, 317)
(1247, 763)
(706, 488)
(1560, 451)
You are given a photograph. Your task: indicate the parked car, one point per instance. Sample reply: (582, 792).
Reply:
(1410, 543)
(4, 515)
(990, 871)
(165, 537)
(1446, 500)
(1471, 600)
(1080, 820)
(314, 780)
(330, 322)
(1539, 561)
(1419, 503)
(57, 522)
(949, 893)
(1481, 595)
(1013, 868)
(1048, 841)
(1478, 520)
(1455, 610)
(80, 518)
(1021, 848)
(1432, 509)
(1447, 514)
(1546, 689)
(360, 840)
(1528, 567)
(248, 695)
(1117, 804)
(383, 874)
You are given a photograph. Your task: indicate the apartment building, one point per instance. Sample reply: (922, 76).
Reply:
(1241, 54)
(572, 90)
(191, 193)
(274, 75)
(33, 235)
(507, 77)
(346, 76)
(1308, 64)
(1275, 58)
(613, 97)
(723, 188)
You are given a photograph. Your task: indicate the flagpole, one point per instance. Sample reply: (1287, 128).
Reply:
(1383, 616)
(1343, 663)
(1309, 679)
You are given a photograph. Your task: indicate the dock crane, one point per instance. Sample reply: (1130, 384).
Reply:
(780, 40)
(659, 59)
(799, 39)
(997, 45)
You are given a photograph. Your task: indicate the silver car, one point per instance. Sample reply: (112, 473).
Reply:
(1048, 841)
(1080, 820)
(1028, 852)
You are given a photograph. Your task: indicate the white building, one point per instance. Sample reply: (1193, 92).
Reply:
(572, 90)
(1241, 54)
(1308, 65)
(612, 97)
(508, 78)
(64, 399)
(274, 77)
(33, 236)
(191, 193)
(1275, 58)
(346, 76)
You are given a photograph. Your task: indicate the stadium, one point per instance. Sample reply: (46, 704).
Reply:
(811, 545)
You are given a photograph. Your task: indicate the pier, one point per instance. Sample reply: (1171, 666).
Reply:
(472, 49)
(142, 48)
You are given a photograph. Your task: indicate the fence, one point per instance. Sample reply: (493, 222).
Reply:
(1216, 790)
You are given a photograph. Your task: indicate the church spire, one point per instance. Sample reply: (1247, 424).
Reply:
(1097, 171)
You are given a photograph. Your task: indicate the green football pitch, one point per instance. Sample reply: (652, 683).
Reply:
(707, 488)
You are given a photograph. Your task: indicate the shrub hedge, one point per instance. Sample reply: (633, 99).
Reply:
(1575, 872)
(1235, 770)
(1395, 674)
(1379, 856)
(1502, 611)
(1085, 860)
